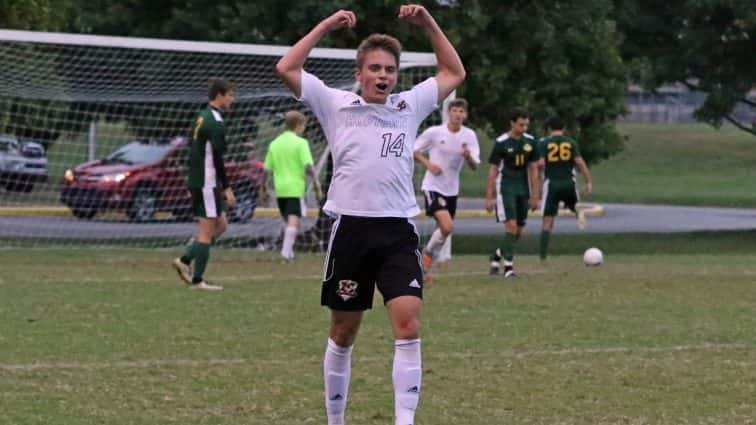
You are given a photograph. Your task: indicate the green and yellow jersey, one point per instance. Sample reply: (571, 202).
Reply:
(206, 169)
(512, 157)
(559, 153)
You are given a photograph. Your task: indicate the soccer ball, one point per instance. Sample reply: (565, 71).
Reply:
(593, 257)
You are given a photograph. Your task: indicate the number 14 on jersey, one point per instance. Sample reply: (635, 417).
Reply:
(392, 145)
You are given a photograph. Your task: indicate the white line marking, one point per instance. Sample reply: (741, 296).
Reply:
(144, 364)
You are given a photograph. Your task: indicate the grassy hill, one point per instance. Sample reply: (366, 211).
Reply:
(690, 164)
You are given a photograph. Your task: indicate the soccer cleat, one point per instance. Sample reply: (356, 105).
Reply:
(206, 286)
(427, 261)
(184, 270)
(509, 272)
(494, 268)
(581, 221)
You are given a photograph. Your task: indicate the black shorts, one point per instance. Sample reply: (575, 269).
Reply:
(435, 201)
(365, 252)
(208, 203)
(290, 206)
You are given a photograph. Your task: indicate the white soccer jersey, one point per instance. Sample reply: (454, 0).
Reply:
(372, 147)
(444, 149)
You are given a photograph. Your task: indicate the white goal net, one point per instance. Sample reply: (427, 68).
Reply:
(93, 134)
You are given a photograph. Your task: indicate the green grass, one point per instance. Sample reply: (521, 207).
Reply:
(678, 164)
(110, 336)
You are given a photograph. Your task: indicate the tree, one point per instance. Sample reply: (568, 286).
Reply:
(40, 15)
(549, 56)
(708, 45)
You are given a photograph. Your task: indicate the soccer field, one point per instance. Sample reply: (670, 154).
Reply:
(111, 336)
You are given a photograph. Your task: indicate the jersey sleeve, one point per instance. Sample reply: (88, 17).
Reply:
(269, 161)
(218, 142)
(424, 141)
(426, 98)
(575, 149)
(532, 155)
(474, 147)
(305, 156)
(319, 97)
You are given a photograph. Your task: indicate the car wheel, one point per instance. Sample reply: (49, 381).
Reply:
(144, 205)
(85, 214)
(246, 203)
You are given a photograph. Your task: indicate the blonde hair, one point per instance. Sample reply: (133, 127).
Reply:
(294, 119)
(379, 42)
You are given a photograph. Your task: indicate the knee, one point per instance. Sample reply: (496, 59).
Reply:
(343, 333)
(407, 328)
(446, 228)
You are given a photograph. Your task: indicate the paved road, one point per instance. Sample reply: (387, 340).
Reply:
(618, 218)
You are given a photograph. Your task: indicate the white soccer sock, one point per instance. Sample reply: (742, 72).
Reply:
(435, 243)
(290, 236)
(407, 376)
(337, 367)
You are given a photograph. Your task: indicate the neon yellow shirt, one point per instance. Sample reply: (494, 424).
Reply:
(287, 157)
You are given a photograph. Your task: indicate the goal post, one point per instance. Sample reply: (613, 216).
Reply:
(93, 133)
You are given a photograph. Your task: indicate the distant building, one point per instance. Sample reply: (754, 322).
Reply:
(673, 103)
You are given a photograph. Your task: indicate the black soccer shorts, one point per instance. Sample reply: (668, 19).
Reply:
(369, 252)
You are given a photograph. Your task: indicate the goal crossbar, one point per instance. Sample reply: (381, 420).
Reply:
(408, 59)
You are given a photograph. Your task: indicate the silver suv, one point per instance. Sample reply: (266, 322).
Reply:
(21, 164)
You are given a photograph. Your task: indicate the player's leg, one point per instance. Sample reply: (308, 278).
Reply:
(571, 198)
(404, 314)
(546, 227)
(549, 209)
(348, 285)
(401, 284)
(337, 362)
(207, 206)
(291, 211)
(444, 229)
(511, 206)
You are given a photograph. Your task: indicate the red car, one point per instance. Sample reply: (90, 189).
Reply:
(147, 176)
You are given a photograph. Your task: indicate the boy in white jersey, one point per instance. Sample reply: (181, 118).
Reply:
(449, 147)
(371, 137)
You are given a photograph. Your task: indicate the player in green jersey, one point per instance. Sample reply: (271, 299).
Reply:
(208, 184)
(289, 161)
(513, 175)
(559, 156)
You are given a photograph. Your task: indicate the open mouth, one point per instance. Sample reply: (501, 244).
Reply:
(381, 87)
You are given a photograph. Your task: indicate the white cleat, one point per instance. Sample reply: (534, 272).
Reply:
(184, 270)
(206, 286)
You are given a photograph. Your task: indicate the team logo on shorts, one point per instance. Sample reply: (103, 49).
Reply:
(441, 201)
(347, 289)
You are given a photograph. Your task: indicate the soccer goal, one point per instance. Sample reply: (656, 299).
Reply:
(93, 134)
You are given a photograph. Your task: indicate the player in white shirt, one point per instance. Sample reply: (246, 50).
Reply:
(449, 147)
(371, 137)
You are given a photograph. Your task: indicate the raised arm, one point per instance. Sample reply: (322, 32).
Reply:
(289, 67)
(450, 72)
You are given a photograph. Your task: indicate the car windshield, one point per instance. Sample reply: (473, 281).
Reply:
(139, 153)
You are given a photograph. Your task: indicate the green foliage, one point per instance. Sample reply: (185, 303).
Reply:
(548, 57)
(708, 45)
(40, 15)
